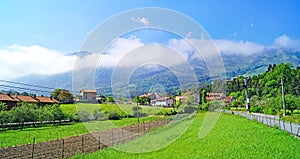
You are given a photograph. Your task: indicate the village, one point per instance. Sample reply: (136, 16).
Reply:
(153, 99)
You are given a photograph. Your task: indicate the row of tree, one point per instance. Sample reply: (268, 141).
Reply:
(25, 112)
(265, 89)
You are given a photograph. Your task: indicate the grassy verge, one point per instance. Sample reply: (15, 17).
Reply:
(232, 137)
(51, 132)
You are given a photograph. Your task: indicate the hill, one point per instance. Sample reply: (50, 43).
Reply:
(146, 77)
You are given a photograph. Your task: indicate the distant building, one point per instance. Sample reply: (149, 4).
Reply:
(228, 100)
(152, 96)
(45, 100)
(12, 101)
(88, 96)
(215, 96)
(8, 100)
(28, 99)
(163, 101)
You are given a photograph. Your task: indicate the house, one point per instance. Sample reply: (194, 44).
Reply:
(228, 100)
(28, 99)
(151, 96)
(181, 98)
(45, 100)
(88, 96)
(215, 96)
(163, 101)
(8, 100)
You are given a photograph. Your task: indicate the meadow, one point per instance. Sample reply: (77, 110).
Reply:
(232, 137)
(56, 131)
(119, 108)
(49, 132)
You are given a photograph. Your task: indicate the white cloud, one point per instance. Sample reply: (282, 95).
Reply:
(143, 20)
(17, 61)
(223, 45)
(118, 49)
(284, 41)
(238, 47)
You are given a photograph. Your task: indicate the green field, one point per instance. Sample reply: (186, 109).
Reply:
(125, 108)
(232, 137)
(51, 132)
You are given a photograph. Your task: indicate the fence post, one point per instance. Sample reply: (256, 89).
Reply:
(99, 143)
(63, 148)
(112, 137)
(283, 124)
(144, 127)
(291, 127)
(82, 144)
(123, 139)
(298, 130)
(32, 152)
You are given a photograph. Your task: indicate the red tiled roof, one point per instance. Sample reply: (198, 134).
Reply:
(28, 99)
(5, 97)
(45, 99)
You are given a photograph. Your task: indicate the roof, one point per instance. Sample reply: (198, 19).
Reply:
(45, 99)
(28, 99)
(163, 98)
(181, 97)
(146, 95)
(5, 97)
(88, 90)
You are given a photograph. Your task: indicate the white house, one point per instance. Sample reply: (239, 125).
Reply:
(164, 101)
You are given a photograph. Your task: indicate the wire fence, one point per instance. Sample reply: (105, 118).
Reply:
(91, 142)
(270, 120)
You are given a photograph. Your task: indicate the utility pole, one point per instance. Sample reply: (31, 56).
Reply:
(247, 96)
(282, 94)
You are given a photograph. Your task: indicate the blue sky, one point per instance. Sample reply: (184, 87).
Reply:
(63, 25)
(31, 30)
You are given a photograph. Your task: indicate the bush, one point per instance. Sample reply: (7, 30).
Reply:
(114, 116)
(84, 115)
(98, 115)
(189, 109)
(166, 112)
(255, 109)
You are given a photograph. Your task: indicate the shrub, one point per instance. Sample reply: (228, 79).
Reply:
(189, 109)
(114, 116)
(84, 115)
(166, 112)
(98, 115)
(255, 109)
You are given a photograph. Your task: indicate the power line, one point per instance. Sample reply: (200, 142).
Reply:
(38, 90)
(25, 84)
(30, 85)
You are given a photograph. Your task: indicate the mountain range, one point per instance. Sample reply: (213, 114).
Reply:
(155, 77)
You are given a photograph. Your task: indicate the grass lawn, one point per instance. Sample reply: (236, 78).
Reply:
(232, 137)
(128, 109)
(51, 132)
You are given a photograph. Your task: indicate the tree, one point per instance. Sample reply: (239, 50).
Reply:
(55, 93)
(291, 103)
(101, 99)
(62, 95)
(110, 99)
(204, 96)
